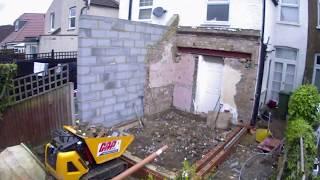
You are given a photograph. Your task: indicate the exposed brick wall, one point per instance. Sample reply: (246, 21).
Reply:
(161, 71)
(242, 42)
(112, 67)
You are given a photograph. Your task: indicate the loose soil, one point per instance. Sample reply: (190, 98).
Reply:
(187, 136)
(259, 166)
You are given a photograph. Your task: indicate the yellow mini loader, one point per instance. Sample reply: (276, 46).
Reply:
(72, 156)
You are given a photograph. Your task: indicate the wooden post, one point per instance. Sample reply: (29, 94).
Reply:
(52, 54)
(302, 159)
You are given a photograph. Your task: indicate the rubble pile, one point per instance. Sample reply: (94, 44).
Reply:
(188, 137)
(84, 129)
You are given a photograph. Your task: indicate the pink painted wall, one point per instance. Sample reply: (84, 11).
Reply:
(182, 93)
(163, 71)
(166, 72)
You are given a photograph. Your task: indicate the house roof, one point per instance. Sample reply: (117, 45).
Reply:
(5, 31)
(106, 3)
(33, 26)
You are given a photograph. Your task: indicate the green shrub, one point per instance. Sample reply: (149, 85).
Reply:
(299, 128)
(304, 103)
(188, 172)
(7, 73)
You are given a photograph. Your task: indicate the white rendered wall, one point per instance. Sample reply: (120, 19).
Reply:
(287, 35)
(244, 14)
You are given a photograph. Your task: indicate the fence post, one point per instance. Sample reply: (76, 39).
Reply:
(302, 159)
(52, 54)
(72, 103)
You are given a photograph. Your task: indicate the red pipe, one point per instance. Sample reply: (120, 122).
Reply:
(139, 165)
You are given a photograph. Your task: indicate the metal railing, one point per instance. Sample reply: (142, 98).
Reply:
(40, 82)
(52, 55)
(8, 56)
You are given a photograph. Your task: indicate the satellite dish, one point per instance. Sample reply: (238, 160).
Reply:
(159, 11)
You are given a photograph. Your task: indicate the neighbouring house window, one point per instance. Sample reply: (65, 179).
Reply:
(316, 72)
(72, 18)
(289, 11)
(145, 10)
(16, 25)
(52, 17)
(33, 49)
(218, 10)
(286, 53)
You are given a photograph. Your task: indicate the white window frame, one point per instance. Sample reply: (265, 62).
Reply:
(289, 5)
(145, 7)
(318, 5)
(217, 2)
(71, 17)
(315, 67)
(52, 21)
(285, 62)
(35, 48)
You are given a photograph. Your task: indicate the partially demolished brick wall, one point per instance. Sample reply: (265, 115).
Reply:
(161, 72)
(230, 43)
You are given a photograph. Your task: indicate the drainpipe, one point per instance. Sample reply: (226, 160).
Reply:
(87, 6)
(263, 53)
(130, 10)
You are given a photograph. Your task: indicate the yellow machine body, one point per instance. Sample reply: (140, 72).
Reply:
(61, 169)
(102, 149)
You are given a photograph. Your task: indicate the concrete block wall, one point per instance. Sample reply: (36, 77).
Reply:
(112, 67)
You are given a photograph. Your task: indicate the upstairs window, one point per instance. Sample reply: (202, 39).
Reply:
(217, 10)
(289, 11)
(52, 17)
(145, 10)
(72, 18)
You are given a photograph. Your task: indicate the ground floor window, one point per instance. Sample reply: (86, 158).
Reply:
(316, 71)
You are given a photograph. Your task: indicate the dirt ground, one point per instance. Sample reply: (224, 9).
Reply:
(260, 166)
(187, 136)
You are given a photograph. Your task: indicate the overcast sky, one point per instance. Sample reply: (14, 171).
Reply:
(10, 10)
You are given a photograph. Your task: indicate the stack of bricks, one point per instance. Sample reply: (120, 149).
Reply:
(112, 67)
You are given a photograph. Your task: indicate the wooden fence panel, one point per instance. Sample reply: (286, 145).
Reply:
(32, 120)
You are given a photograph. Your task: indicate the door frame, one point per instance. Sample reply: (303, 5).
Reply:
(196, 98)
(285, 63)
(315, 67)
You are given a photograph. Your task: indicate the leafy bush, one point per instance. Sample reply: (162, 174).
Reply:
(304, 103)
(299, 128)
(7, 73)
(188, 172)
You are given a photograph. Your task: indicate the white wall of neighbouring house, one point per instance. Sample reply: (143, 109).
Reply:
(58, 43)
(65, 39)
(103, 11)
(244, 14)
(270, 23)
(288, 35)
(61, 8)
